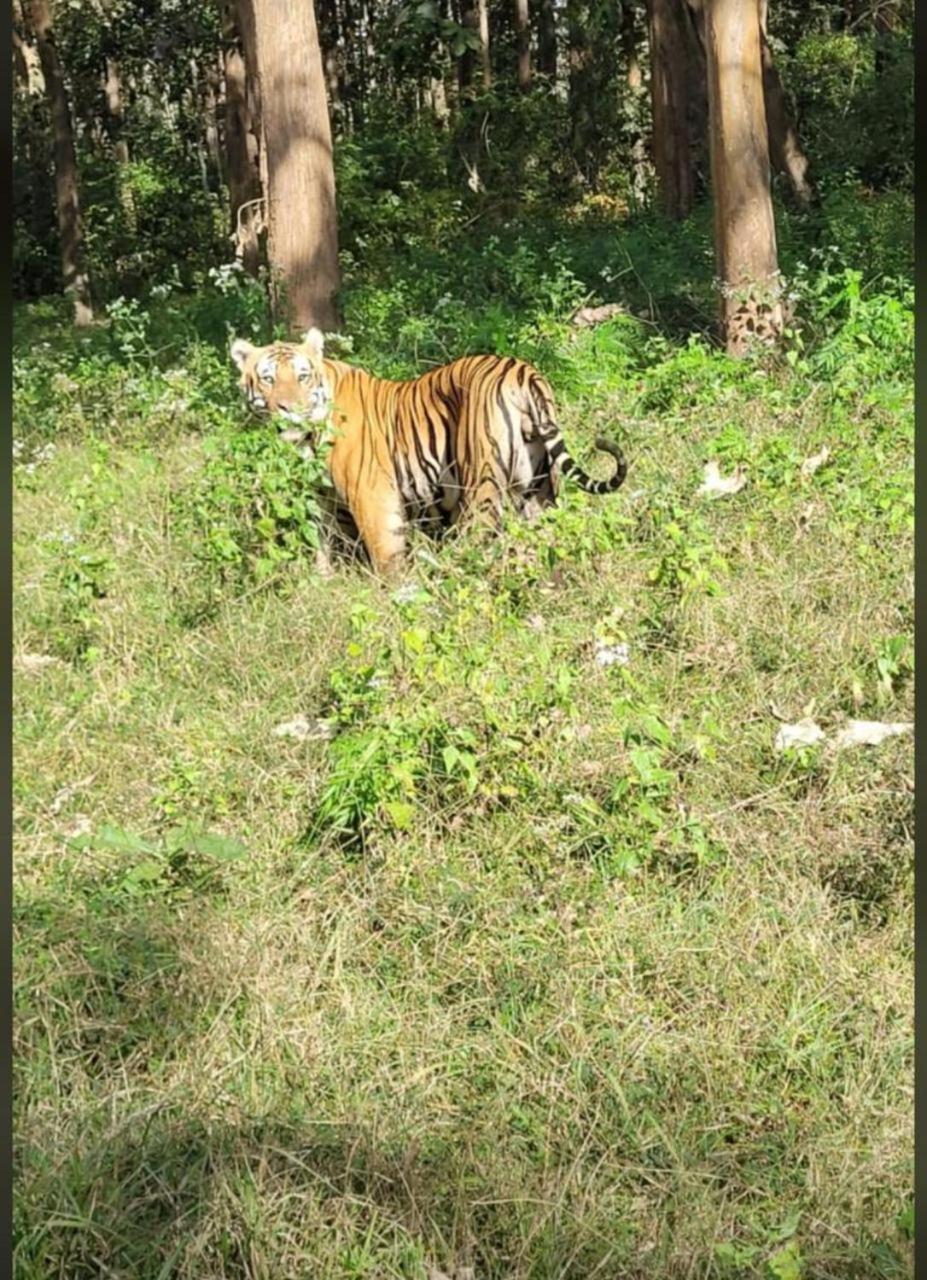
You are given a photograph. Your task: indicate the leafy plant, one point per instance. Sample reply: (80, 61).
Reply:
(180, 864)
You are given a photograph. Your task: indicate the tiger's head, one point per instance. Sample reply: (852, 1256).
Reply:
(285, 380)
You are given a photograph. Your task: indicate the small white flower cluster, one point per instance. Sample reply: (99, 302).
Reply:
(43, 454)
(610, 655)
(226, 276)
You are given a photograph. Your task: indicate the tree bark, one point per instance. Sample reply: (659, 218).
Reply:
(467, 60)
(745, 230)
(671, 87)
(547, 38)
(523, 44)
(67, 197)
(116, 114)
(635, 84)
(211, 94)
(302, 243)
(579, 65)
(241, 151)
(482, 8)
(785, 149)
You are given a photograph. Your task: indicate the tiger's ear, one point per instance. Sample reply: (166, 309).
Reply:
(240, 350)
(315, 341)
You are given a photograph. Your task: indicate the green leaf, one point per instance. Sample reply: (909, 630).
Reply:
(110, 837)
(786, 1263)
(148, 872)
(222, 848)
(415, 639)
(401, 814)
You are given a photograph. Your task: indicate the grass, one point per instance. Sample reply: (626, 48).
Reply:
(530, 965)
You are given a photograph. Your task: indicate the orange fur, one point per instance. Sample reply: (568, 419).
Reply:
(455, 442)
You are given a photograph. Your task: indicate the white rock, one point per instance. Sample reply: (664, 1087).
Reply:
(810, 465)
(301, 728)
(804, 733)
(717, 486)
(870, 733)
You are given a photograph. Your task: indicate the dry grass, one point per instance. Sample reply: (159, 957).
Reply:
(479, 1044)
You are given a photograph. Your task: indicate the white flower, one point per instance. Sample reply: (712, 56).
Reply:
(609, 655)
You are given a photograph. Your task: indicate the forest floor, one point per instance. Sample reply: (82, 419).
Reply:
(473, 921)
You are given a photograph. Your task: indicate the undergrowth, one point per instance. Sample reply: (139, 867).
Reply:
(471, 921)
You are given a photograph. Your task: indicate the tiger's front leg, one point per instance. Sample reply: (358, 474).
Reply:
(380, 519)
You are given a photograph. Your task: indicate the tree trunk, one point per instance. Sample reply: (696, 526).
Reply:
(438, 97)
(302, 227)
(467, 60)
(523, 44)
(211, 95)
(579, 63)
(241, 151)
(670, 76)
(635, 84)
(482, 8)
(116, 114)
(67, 199)
(785, 149)
(745, 230)
(26, 61)
(547, 38)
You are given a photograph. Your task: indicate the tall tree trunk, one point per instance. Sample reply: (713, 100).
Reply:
(241, 151)
(115, 111)
(211, 94)
(547, 38)
(482, 7)
(330, 39)
(745, 230)
(785, 149)
(467, 60)
(67, 198)
(579, 63)
(670, 76)
(302, 227)
(635, 83)
(437, 92)
(523, 44)
(26, 56)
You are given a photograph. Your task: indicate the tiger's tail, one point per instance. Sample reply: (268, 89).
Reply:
(541, 409)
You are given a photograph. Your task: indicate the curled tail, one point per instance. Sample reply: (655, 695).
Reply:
(542, 415)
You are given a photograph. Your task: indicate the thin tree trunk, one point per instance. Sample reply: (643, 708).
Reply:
(438, 97)
(116, 113)
(547, 39)
(67, 198)
(467, 60)
(745, 230)
(579, 62)
(301, 219)
(482, 7)
(673, 149)
(523, 44)
(635, 83)
(241, 149)
(26, 58)
(211, 120)
(785, 149)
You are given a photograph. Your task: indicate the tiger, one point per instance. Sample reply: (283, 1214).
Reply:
(451, 444)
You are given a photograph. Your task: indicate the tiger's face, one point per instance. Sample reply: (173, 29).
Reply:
(286, 381)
